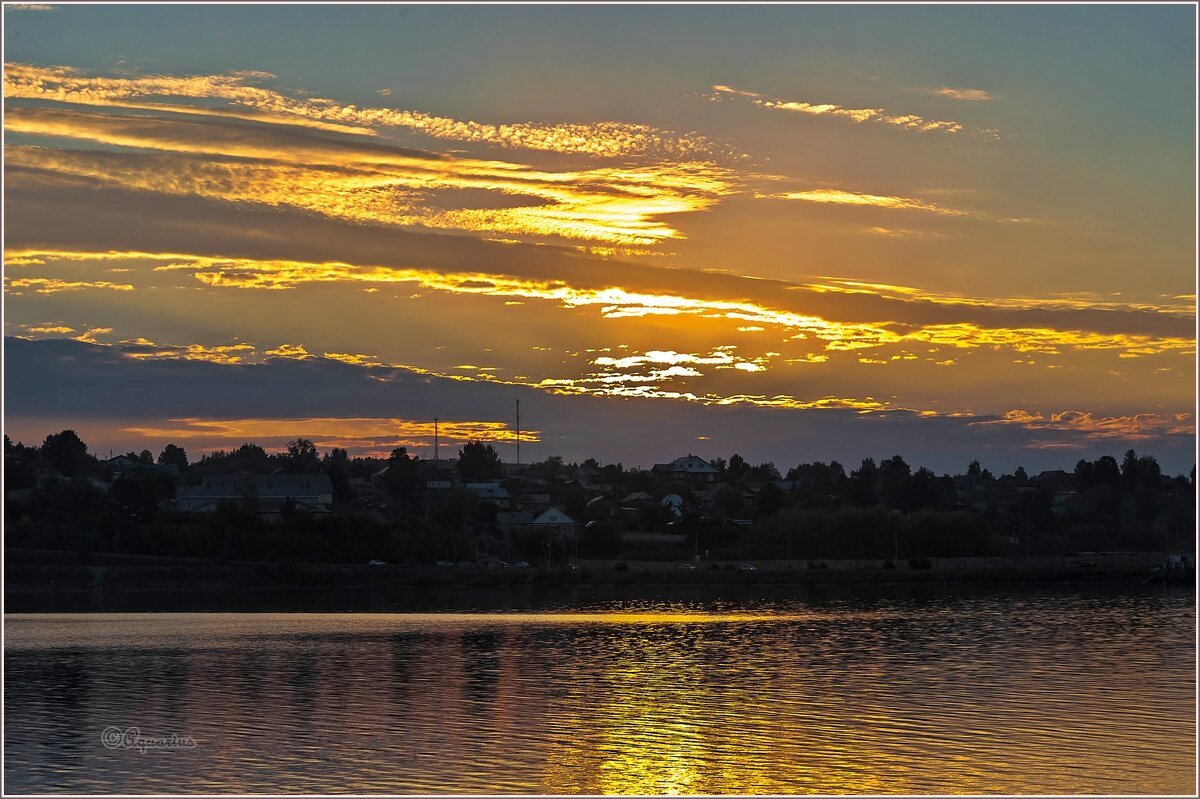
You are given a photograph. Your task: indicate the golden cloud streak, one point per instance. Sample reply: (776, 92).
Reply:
(840, 197)
(616, 205)
(610, 139)
(1076, 301)
(338, 429)
(50, 285)
(224, 354)
(89, 336)
(1132, 428)
(857, 115)
(49, 329)
(961, 94)
(295, 351)
(616, 303)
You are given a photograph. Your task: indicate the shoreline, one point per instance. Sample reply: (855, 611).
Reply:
(37, 580)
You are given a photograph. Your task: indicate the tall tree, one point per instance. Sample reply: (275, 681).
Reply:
(302, 456)
(173, 455)
(478, 462)
(66, 453)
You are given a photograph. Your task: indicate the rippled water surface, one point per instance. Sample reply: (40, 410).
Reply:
(1012, 692)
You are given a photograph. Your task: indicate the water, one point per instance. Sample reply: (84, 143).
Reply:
(1062, 692)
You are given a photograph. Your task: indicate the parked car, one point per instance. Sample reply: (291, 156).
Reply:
(687, 567)
(747, 567)
(520, 565)
(376, 562)
(445, 564)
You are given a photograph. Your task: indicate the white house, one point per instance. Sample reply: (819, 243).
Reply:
(555, 522)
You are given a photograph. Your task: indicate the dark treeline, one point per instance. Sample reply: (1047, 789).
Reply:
(403, 509)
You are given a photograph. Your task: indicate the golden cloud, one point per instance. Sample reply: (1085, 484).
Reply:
(623, 206)
(610, 139)
(616, 303)
(49, 328)
(335, 431)
(50, 285)
(841, 197)
(226, 354)
(295, 351)
(961, 94)
(1136, 427)
(857, 115)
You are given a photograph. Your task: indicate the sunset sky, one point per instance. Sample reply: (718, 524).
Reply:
(793, 232)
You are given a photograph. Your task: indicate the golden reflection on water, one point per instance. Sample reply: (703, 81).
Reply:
(967, 698)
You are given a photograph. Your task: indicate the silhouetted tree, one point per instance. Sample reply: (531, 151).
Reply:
(861, 486)
(173, 454)
(894, 475)
(736, 469)
(478, 462)
(67, 453)
(403, 479)
(302, 457)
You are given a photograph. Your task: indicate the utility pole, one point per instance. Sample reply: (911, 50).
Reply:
(435, 439)
(518, 432)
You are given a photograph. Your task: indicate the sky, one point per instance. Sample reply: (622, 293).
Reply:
(796, 233)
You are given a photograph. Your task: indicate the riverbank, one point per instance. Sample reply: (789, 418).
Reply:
(35, 579)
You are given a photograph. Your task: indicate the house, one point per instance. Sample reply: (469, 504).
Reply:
(491, 492)
(1055, 480)
(122, 465)
(267, 494)
(438, 478)
(556, 523)
(513, 521)
(589, 478)
(691, 469)
(673, 503)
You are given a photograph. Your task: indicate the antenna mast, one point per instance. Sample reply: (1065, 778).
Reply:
(518, 432)
(435, 439)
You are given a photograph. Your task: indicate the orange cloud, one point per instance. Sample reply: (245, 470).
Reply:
(335, 431)
(49, 285)
(1132, 428)
(616, 303)
(841, 197)
(857, 115)
(610, 139)
(623, 206)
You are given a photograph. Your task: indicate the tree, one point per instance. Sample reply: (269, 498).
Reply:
(736, 469)
(302, 456)
(1129, 469)
(145, 457)
(173, 454)
(66, 453)
(478, 462)
(861, 485)
(894, 476)
(1020, 474)
(403, 479)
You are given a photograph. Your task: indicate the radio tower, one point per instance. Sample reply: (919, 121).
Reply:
(518, 432)
(435, 439)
